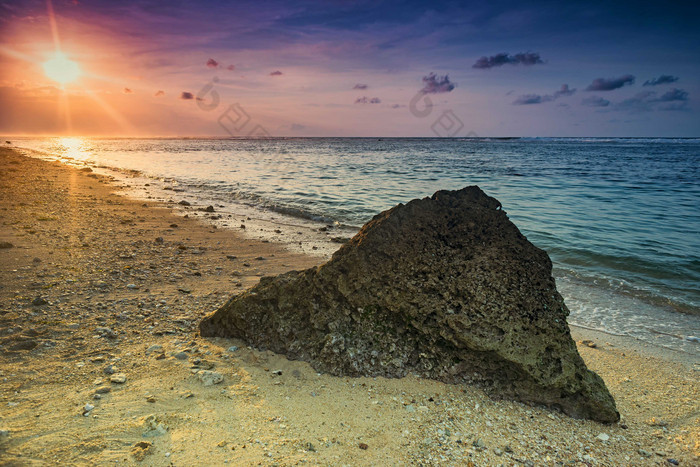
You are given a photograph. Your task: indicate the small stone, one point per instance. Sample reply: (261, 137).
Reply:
(97, 396)
(184, 203)
(173, 226)
(4, 434)
(151, 399)
(672, 461)
(233, 348)
(603, 437)
(209, 209)
(6, 245)
(181, 355)
(159, 240)
(310, 447)
(589, 343)
(644, 453)
(498, 452)
(363, 446)
(153, 426)
(657, 422)
(231, 256)
(103, 390)
(132, 286)
(110, 369)
(479, 443)
(87, 409)
(184, 290)
(119, 378)
(155, 348)
(209, 378)
(39, 301)
(693, 339)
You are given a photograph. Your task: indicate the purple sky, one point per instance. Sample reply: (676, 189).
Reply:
(337, 68)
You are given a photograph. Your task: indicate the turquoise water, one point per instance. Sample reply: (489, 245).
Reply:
(620, 218)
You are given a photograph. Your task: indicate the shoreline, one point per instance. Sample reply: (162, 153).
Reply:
(113, 291)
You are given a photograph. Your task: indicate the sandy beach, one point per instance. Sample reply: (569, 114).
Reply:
(101, 363)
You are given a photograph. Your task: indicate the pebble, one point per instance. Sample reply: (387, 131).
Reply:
(693, 339)
(181, 355)
(119, 378)
(87, 409)
(603, 437)
(6, 245)
(110, 369)
(154, 348)
(153, 426)
(159, 240)
(103, 390)
(233, 348)
(184, 203)
(4, 433)
(39, 301)
(209, 378)
(132, 286)
(363, 446)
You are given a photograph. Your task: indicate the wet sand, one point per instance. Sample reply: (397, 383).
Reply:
(96, 286)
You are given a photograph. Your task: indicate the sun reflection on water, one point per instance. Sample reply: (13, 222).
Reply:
(72, 148)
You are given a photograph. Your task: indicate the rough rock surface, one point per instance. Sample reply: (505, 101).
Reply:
(445, 287)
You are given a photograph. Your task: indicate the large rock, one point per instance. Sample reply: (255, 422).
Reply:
(445, 287)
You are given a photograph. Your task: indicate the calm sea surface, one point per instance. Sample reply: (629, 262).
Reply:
(620, 218)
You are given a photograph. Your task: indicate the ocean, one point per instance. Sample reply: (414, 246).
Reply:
(619, 217)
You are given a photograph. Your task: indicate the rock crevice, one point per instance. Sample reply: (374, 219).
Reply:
(445, 287)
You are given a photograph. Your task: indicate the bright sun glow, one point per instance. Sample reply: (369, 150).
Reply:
(61, 69)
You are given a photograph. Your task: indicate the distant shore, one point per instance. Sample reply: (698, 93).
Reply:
(95, 286)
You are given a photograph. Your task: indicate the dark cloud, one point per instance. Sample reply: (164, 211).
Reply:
(127, 91)
(595, 101)
(435, 84)
(360, 86)
(211, 63)
(526, 58)
(674, 94)
(528, 99)
(602, 84)
(675, 99)
(231, 67)
(565, 90)
(159, 93)
(397, 106)
(276, 73)
(663, 79)
(367, 100)
(186, 95)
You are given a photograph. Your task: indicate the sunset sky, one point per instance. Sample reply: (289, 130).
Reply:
(342, 68)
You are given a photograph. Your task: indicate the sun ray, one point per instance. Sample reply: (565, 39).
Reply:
(112, 113)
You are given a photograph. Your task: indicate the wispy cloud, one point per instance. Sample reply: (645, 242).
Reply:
(609, 84)
(211, 63)
(674, 94)
(523, 58)
(159, 93)
(231, 67)
(663, 79)
(367, 100)
(186, 95)
(127, 91)
(675, 99)
(276, 73)
(595, 101)
(435, 84)
(360, 86)
(529, 99)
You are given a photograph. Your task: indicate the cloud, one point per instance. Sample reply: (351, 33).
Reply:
(297, 127)
(595, 101)
(663, 79)
(366, 100)
(675, 99)
(186, 95)
(674, 94)
(211, 63)
(436, 84)
(602, 84)
(231, 67)
(526, 58)
(565, 90)
(397, 106)
(276, 73)
(159, 93)
(528, 99)
(360, 86)
(127, 91)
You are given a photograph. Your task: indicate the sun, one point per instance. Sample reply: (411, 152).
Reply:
(61, 69)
